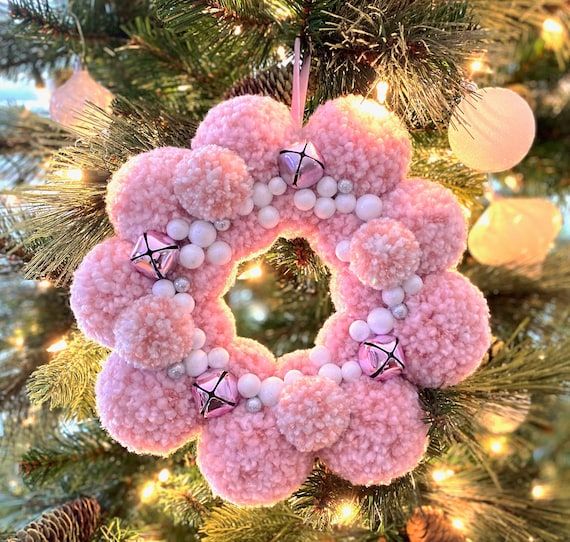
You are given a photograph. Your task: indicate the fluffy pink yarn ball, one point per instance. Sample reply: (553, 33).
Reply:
(146, 411)
(359, 140)
(255, 127)
(154, 332)
(103, 286)
(386, 436)
(212, 182)
(446, 332)
(383, 253)
(140, 195)
(247, 461)
(312, 413)
(432, 213)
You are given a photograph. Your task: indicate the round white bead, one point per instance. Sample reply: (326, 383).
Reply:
(351, 371)
(198, 339)
(270, 390)
(253, 405)
(178, 229)
(196, 363)
(393, 296)
(324, 208)
(304, 199)
(412, 285)
(262, 196)
(380, 320)
(368, 207)
(219, 253)
(246, 207)
(345, 186)
(164, 288)
(218, 358)
(342, 250)
(185, 301)
(191, 256)
(332, 372)
(292, 376)
(320, 355)
(327, 187)
(359, 330)
(277, 186)
(249, 385)
(345, 203)
(202, 233)
(268, 217)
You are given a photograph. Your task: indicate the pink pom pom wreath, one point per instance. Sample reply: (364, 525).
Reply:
(185, 219)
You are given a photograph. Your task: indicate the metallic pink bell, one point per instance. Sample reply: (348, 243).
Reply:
(381, 357)
(301, 165)
(155, 254)
(215, 393)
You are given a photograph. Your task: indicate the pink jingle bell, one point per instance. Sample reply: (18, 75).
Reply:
(301, 165)
(381, 357)
(155, 254)
(215, 393)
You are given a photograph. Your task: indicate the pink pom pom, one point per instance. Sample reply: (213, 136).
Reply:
(312, 413)
(383, 253)
(248, 356)
(255, 127)
(154, 332)
(360, 141)
(140, 196)
(446, 332)
(146, 411)
(297, 360)
(103, 286)
(335, 336)
(212, 182)
(386, 437)
(432, 213)
(247, 461)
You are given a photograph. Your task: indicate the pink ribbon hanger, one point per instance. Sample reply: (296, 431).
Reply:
(300, 84)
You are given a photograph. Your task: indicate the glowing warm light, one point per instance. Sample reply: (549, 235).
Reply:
(458, 524)
(163, 475)
(237, 30)
(540, 491)
(73, 174)
(281, 53)
(11, 201)
(553, 33)
(513, 182)
(440, 475)
(346, 513)
(497, 445)
(57, 346)
(476, 66)
(552, 26)
(253, 272)
(147, 492)
(381, 91)
(17, 340)
(44, 285)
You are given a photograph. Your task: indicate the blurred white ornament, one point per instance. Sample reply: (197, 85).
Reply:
(492, 130)
(501, 419)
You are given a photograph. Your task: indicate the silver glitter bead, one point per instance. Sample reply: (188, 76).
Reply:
(253, 405)
(345, 186)
(176, 371)
(400, 311)
(222, 225)
(181, 284)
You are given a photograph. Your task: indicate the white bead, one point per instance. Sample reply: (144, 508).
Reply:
(178, 229)
(342, 250)
(196, 363)
(270, 390)
(218, 358)
(164, 288)
(412, 285)
(327, 187)
(268, 217)
(324, 208)
(320, 355)
(380, 321)
(249, 385)
(345, 203)
(191, 256)
(202, 233)
(368, 207)
(351, 371)
(219, 253)
(198, 339)
(246, 207)
(292, 376)
(393, 296)
(345, 186)
(277, 186)
(185, 301)
(304, 199)
(332, 372)
(359, 330)
(262, 196)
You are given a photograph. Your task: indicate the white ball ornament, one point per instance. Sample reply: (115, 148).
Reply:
(359, 330)
(327, 187)
(292, 376)
(191, 256)
(270, 391)
(380, 321)
(393, 296)
(198, 339)
(351, 371)
(342, 250)
(246, 207)
(332, 372)
(492, 130)
(368, 207)
(163, 288)
(268, 217)
(185, 301)
(412, 285)
(219, 253)
(345, 203)
(202, 233)
(218, 358)
(304, 199)
(196, 363)
(277, 186)
(249, 385)
(262, 196)
(320, 355)
(178, 229)
(324, 208)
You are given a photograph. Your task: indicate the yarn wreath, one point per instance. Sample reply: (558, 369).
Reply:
(185, 218)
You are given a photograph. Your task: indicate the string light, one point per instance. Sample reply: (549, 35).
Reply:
(44, 285)
(147, 492)
(479, 65)
(163, 475)
(440, 475)
(553, 33)
(458, 524)
(281, 53)
(237, 30)
(540, 491)
(497, 445)
(254, 271)
(345, 513)
(57, 346)
(382, 92)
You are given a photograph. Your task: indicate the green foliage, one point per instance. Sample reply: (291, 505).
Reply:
(116, 530)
